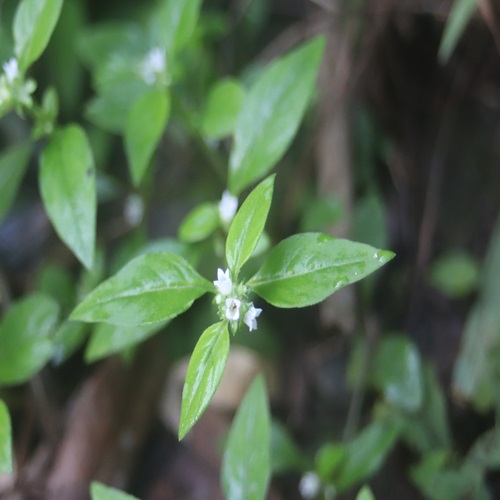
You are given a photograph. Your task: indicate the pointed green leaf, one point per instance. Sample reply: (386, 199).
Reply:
(151, 288)
(109, 339)
(13, 164)
(306, 268)
(248, 224)
(26, 338)
(34, 23)
(365, 493)
(246, 461)
(99, 491)
(460, 14)
(223, 105)
(145, 125)
(67, 186)
(204, 373)
(200, 223)
(271, 114)
(5, 440)
(174, 23)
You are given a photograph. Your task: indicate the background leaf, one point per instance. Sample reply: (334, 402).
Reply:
(5, 439)
(367, 451)
(26, 337)
(67, 186)
(99, 491)
(34, 23)
(397, 373)
(109, 339)
(461, 12)
(151, 288)
(245, 471)
(221, 110)
(271, 114)
(145, 125)
(204, 373)
(13, 164)
(200, 223)
(248, 224)
(306, 268)
(173, 24)
(475, 374)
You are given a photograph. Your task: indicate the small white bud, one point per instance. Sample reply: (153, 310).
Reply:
(227, 207)
(223, 282)
(251, 317)
(309, 485)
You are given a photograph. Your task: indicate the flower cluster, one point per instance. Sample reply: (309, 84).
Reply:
(13, 88)
(232, 301)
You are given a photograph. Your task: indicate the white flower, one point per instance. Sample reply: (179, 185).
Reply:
(11, 70)
(250, 317)
(309, 485)
(223, 282)
(227, 207)
(233, 309)
(153, 65)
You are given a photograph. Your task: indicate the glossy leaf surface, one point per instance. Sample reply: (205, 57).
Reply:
(271, 114)
(306, 268)
(151, 288)
(248, 224)
(26, 337)
(204, 373)
(67, 185)
(246, 461)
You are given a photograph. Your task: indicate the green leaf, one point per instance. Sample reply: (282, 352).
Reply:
(329, 459)
(318, 213)
(248, 224)
(200, 223)
(173, 24)
(428, 430)
(145, 125)
(475, 375)
(34, 23)
(460, 14)
(306, 268)
(151, 288)
(26, 338)
(13, 164)
(204, 373)
(99, 491)
(397, 372)
(221, 110)
(485, 452)
(365, 493)
(109, 339)
(67, 339)
(367, 451)
(455, 274)
(246, 461)
(5, 440)
(67, 186)
(285, 455)
(271, 114)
